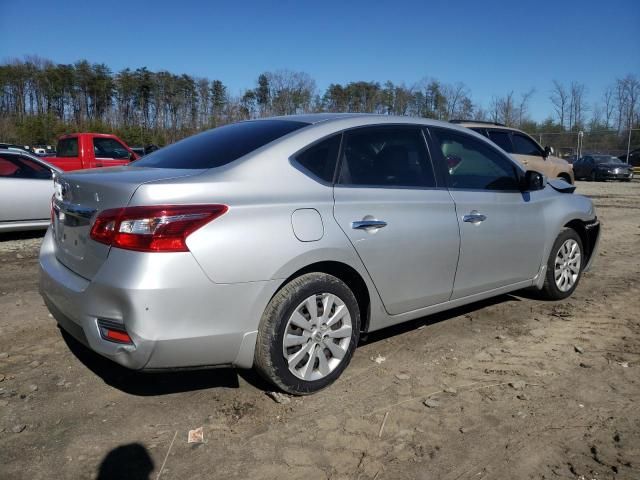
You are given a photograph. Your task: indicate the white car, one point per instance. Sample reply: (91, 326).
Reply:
(26, 188)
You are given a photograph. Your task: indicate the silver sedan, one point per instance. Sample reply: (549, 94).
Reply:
(26, 188)
(277, 243)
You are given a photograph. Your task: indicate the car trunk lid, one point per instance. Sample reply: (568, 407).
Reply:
(80, 196)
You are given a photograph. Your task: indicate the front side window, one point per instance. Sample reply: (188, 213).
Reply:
(320, 159)
(523, 145)
(502, 139)
(68, 147)
(219, 146)
(472, 164)
(385, 157)
(109, 148)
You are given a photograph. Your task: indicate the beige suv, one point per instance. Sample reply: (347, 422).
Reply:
(523, 148)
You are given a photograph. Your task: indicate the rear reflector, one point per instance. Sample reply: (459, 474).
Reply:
(162, 228)
(114, 332)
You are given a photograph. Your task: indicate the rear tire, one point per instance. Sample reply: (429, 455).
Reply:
(564, 266)
(308, 334)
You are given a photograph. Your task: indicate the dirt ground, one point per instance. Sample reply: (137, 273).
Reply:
(516, 388)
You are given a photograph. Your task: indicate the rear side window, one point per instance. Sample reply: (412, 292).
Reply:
(502, 139)
(109, 148)
(320, 159)
(386, 157)
(68, 147)
(219, 146)
(525, 146)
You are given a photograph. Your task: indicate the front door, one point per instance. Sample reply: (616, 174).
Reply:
(502, 229)
(402, 226)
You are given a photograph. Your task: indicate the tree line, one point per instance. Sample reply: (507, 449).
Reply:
(40, 99)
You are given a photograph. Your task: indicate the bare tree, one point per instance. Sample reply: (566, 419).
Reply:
(608, 105)
(523, 106)
(577, 105)
(292, 92)
(621, 101)
(494, 109)
(480, 114)
(454, 96)
(596, 117)
(632, 90)
(559, 98)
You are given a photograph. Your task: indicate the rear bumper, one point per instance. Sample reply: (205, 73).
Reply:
(175, 315)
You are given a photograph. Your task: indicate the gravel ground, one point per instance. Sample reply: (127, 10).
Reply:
(509, 388)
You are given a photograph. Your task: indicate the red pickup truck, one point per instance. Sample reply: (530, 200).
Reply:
(90, 150)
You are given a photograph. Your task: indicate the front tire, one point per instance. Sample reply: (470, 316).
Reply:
(308, 334)
(564, 267)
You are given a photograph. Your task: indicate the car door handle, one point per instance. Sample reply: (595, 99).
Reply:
(366, 224)
(474, 217)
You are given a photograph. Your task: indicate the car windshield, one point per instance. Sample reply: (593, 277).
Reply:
(219, 146)
(605, 159)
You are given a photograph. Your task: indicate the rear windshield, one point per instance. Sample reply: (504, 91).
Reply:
(68, 147)
(219, 146)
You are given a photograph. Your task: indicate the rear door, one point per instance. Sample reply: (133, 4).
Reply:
(502, 229)
(109, 152)
(26, 188)
(402, 225)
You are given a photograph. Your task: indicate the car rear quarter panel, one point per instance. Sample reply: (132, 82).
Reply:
(255, 239)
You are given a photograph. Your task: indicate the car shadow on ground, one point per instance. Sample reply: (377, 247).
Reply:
(176, 381)
(150, 383)
(410, 325)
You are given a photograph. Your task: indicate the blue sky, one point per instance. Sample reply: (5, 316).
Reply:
(493, 47)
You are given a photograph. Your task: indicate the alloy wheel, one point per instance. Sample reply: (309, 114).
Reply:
(317, 336)
(567, 265)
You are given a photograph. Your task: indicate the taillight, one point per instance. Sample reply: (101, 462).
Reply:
(162, 228)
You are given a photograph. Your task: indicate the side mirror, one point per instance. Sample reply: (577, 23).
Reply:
(132, 156)
(532, 181)
(548, 151)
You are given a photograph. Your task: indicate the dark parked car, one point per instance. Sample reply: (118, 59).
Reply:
(602, 167)
(138, 151)
(634, 158)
